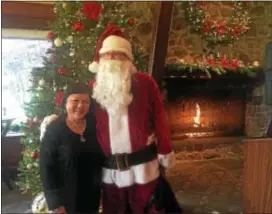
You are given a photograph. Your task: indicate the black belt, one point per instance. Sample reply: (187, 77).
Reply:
(124, 161)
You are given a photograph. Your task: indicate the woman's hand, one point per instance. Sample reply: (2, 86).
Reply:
(60, 210)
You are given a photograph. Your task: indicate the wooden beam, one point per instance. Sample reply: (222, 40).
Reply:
(157, 58)
(26, 15)
(258, 176)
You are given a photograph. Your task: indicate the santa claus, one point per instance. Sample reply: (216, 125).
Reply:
(131, 127)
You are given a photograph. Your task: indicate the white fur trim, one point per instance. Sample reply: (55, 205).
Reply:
(119, 133)
(139, 174)
(93, 67)
(39, 204)
(46, 121)
(117, 43)
(167, 160)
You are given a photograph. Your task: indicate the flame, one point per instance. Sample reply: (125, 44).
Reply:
(197, 117)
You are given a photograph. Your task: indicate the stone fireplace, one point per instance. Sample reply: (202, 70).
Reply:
(206, 114)
(208, 108)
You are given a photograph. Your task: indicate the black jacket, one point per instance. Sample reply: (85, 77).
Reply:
(71, 170)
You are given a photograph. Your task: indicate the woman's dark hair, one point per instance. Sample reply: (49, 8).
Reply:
(75, 88)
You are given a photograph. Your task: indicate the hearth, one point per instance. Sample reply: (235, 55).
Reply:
(198, 108)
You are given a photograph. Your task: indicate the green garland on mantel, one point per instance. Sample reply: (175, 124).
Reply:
(211, 67)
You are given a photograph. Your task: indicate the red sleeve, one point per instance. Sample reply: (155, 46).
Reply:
(162, 131)
(91, 83)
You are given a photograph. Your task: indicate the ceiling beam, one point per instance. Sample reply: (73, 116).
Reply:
(157, 58)
(26, 15)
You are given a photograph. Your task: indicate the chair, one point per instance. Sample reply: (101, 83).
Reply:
(11, 154)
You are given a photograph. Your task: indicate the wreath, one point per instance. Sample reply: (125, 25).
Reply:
(216, 32)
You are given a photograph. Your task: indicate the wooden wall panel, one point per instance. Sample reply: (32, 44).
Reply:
(258, 176)
(26, 15)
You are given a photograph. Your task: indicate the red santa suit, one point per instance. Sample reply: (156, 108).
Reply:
(143, 123)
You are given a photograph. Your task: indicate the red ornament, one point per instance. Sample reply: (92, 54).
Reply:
(78, 26)
(50, 35)
(200, 4)
(207, 27)
(58, 99)
(211, 62)
(224, 62)
(221, 28)
(234, 64)
(35, 155)
(131, 21)
(62, 70)
(92, 10)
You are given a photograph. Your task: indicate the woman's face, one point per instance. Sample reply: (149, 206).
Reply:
(77, 106)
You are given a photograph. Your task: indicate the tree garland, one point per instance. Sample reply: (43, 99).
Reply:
(216, 32)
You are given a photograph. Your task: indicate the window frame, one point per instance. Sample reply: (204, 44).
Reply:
(9, 33)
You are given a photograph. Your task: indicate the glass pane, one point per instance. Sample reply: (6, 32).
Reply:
(19, 56)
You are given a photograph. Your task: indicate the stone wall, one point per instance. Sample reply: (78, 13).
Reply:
(250, 47)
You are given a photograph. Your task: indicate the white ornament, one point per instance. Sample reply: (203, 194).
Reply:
(39, 204)
(41, 82)
(72, 53)
(256, 64)
(69, 39)
(58, 42)
(36, 164)
(29, 166)
(93, 67)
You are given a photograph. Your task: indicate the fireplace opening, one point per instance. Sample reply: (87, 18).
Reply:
(195, 111)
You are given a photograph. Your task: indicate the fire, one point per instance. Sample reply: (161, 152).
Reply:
(197, 117)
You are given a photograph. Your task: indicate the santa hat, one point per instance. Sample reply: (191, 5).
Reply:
(112, 39)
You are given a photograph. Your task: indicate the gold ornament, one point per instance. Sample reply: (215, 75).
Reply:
(58, 42)
(256, 64)
(182, 61)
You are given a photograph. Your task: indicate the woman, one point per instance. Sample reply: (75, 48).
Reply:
(71, 158)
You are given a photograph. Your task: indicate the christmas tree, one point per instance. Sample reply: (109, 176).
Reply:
(74, 36)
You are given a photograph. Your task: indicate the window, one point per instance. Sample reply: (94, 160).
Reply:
(19, 56)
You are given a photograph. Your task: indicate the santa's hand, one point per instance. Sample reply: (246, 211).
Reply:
(46, 121)
(151, 139)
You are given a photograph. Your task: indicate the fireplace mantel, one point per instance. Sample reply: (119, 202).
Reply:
(198, 79)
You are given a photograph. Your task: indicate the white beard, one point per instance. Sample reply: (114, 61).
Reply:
(112, 87)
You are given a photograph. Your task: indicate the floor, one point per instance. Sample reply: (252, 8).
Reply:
(210, 186)
(201, 185)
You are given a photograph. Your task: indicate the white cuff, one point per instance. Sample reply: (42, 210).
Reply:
(167, 160)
